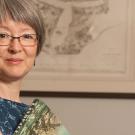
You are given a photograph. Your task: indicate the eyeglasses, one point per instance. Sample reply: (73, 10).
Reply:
(25, 39)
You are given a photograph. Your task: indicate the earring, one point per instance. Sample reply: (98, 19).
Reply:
(34, 63)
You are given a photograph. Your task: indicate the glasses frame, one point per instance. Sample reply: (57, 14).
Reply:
(11, 38)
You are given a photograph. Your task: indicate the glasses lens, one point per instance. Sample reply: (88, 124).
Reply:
(28, 39)
(4, 39)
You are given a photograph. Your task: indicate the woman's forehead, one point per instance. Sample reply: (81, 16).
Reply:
(10, 24)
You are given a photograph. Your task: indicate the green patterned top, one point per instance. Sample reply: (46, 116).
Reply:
(39, 120)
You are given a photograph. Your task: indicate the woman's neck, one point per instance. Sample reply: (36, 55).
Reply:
(10, 91)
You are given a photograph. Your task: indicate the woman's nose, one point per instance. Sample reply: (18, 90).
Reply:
(15, 46)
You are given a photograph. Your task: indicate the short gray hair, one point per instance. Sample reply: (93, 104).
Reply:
(27, 12)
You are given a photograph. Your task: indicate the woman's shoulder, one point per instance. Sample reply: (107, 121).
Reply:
(40, 117)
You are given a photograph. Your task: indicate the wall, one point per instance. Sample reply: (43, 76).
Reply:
(94, 116)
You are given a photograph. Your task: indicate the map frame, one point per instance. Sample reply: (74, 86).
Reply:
(94, 82)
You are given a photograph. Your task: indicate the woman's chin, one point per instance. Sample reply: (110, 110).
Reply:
(13, 76)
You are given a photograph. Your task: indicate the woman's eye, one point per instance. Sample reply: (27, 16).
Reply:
(3, 35)
(27, 36)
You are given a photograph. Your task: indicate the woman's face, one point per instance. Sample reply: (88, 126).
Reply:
(17, 55)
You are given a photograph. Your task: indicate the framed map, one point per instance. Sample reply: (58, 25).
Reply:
(89, 47)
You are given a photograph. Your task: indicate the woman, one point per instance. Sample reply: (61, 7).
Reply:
(21, 39)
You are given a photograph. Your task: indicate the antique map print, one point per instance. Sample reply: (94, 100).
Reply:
(84, 36)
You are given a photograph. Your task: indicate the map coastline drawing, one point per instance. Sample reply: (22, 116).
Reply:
(84, 36)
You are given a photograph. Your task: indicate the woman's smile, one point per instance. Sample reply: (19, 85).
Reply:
(14, 61)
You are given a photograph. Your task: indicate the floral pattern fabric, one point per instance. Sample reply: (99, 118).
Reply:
(40, 120)
(11, 114)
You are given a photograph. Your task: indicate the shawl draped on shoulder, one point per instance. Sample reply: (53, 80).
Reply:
(40, 120)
